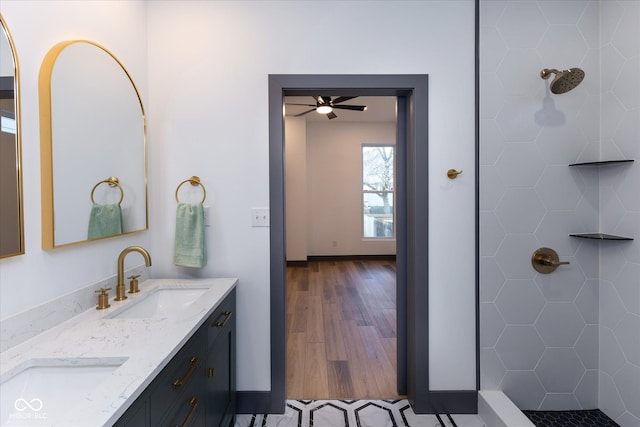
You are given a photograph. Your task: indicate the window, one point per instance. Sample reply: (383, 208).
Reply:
(378, 191)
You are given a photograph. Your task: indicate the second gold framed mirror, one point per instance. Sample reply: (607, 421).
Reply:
(93, 146)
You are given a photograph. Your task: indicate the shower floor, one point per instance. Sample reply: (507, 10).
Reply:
(584, 418)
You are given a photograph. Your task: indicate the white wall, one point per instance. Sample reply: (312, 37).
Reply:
(209, 63)
(334, 164)
(295, 131)
(39, 276)
(323, 187)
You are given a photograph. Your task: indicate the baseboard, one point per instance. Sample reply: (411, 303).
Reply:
(297, 263)
(447, 402)
(351, 257)
(320, 258)
(253, 402)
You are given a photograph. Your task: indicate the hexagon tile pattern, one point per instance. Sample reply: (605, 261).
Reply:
(587, 418)
(560, 340)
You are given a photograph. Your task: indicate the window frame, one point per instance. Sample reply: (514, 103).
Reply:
(363, 191)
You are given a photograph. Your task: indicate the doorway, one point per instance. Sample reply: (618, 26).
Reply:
(341, 281)
(412, 205)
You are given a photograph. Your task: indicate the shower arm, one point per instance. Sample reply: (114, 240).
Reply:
(546, 73)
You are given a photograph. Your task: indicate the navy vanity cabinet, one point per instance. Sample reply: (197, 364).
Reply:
(221, 375)
(178, 392)
(197, 387)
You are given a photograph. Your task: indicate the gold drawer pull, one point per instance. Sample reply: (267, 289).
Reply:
(194, 402)
(180, 382)
(211, 372)
(227, 315)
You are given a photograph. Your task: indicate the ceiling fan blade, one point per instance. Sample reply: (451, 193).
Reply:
(342, 99)
(306, 105)
(306, 112)
(331, 115)
(351, 107)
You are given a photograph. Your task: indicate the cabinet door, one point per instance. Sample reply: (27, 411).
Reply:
(181, 379)
(221, 317)
(221, 388)
(189, 413)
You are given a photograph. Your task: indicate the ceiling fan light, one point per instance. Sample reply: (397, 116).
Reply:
(324, 109)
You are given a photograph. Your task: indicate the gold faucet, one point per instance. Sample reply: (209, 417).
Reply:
(120, 290)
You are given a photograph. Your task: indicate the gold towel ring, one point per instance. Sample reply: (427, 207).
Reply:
(194, 180)
(113, 181)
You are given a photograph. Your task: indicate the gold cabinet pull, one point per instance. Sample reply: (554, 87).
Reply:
(180, 382)
(211, 372)
(222, 324)
(193, 402)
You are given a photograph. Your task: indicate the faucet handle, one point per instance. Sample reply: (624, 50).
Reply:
(133, 284)
(103, 298)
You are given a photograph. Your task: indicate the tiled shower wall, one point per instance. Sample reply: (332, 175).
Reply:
(547, 340)
(619, 379)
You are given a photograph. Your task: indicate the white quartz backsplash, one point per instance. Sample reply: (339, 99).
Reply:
(29, 323)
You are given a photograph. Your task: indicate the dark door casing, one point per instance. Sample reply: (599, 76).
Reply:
(412, 208)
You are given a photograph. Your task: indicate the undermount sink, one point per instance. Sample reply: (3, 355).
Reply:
(159, 303)
(45, 389)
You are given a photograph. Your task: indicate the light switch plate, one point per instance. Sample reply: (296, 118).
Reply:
(260, 217)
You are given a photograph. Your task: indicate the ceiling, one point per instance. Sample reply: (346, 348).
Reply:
(379, 109)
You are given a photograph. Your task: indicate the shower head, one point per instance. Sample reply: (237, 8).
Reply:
(564, 80)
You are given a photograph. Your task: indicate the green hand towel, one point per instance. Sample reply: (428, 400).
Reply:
(104, 220)
(190, 249)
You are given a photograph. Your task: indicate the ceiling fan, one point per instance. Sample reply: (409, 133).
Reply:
(326, 105)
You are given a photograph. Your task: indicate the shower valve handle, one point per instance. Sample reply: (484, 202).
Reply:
(546, 260)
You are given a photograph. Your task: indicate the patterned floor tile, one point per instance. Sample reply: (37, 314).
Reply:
(353, 413)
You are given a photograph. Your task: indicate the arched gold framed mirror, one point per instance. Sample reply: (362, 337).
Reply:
(11, 203)
(93, 146)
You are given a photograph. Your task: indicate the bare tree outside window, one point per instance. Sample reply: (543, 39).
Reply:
(378, 191)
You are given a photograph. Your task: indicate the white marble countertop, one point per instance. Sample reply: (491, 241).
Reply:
(146, 345)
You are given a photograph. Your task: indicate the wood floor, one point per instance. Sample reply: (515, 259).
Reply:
(341, 330)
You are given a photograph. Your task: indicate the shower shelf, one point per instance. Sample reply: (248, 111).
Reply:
(600, 236)
(603, 163)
